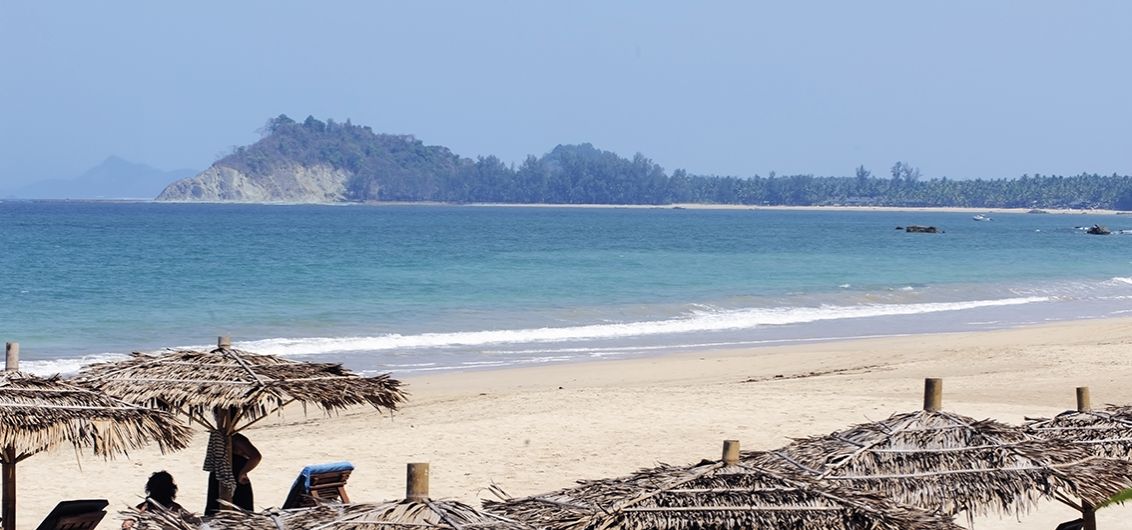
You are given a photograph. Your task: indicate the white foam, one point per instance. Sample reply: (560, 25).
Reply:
(410, 365)
(67, 366)
(1121, 279)
(699, 321)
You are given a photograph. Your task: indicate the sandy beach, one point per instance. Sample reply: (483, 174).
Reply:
(536, 429)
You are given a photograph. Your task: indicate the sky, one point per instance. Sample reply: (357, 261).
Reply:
(961, 89)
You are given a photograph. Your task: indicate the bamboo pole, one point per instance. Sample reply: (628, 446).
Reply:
(730, 452)
(933, 394)
(1084, 403)
(8, 471)
(416, 482)
(224, 341)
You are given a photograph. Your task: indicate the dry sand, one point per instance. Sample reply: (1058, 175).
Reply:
(536, 429)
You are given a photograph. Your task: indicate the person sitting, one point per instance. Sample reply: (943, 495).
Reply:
(160, 494)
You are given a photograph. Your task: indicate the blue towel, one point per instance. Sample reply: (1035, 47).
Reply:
(305, 474)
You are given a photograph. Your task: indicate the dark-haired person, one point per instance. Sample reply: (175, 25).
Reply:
(245, 457)
(160, 494)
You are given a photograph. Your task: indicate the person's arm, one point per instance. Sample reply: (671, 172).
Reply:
(243, 447)
(127, 524)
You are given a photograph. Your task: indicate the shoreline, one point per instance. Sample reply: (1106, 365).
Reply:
(676, 206)
(699, 206)
(535, 429)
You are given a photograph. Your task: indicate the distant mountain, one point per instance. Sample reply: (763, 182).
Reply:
(113, 178)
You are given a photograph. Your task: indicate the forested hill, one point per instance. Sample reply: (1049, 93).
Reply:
(317, 161)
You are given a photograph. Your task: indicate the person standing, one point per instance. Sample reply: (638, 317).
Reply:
(245, 457)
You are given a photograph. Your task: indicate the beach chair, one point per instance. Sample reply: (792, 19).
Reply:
(1076, 524)
(75, 515)
(319, 483)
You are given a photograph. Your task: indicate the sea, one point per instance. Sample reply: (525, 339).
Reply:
(412, 289)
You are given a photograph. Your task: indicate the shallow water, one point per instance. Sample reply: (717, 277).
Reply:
(412, 288)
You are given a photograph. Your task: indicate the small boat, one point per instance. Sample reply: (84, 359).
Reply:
(981, 217)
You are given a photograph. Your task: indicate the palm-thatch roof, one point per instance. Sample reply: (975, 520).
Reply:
(426, 514)
(251, 385)
(714, 495)
(235, 386)
(940, 460)
(1108, 431)
(39, 413)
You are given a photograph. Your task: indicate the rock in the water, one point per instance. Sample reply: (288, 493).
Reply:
(921, 229)
(1098, 230)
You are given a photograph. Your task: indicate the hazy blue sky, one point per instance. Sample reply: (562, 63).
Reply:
(960, 89)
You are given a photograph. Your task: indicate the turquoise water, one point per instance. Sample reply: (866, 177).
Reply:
(410, 288)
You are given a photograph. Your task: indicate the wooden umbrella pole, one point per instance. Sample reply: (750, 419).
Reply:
(1088, 516)
(1084, 403)
(1088, 511)
(8, 471)
(12, 356)
(730, 452)
(933, 394)
(416, 482)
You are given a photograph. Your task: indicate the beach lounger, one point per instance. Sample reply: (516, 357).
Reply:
(1076, 524)
(319, 483)
(75, 515)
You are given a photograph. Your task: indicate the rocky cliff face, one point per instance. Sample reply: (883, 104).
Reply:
(285, 182)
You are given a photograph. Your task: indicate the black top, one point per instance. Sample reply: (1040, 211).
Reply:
(238, 461)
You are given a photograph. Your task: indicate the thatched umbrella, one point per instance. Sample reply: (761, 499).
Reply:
(227, 390)
(416, 512)
(40, 413)
(728, 494)
(1107, 432)
(953, 463)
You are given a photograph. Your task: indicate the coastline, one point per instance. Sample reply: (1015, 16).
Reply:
(699, 206)
(539, 428)
(676, 206)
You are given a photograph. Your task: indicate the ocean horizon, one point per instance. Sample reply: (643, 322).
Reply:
(419, 288)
